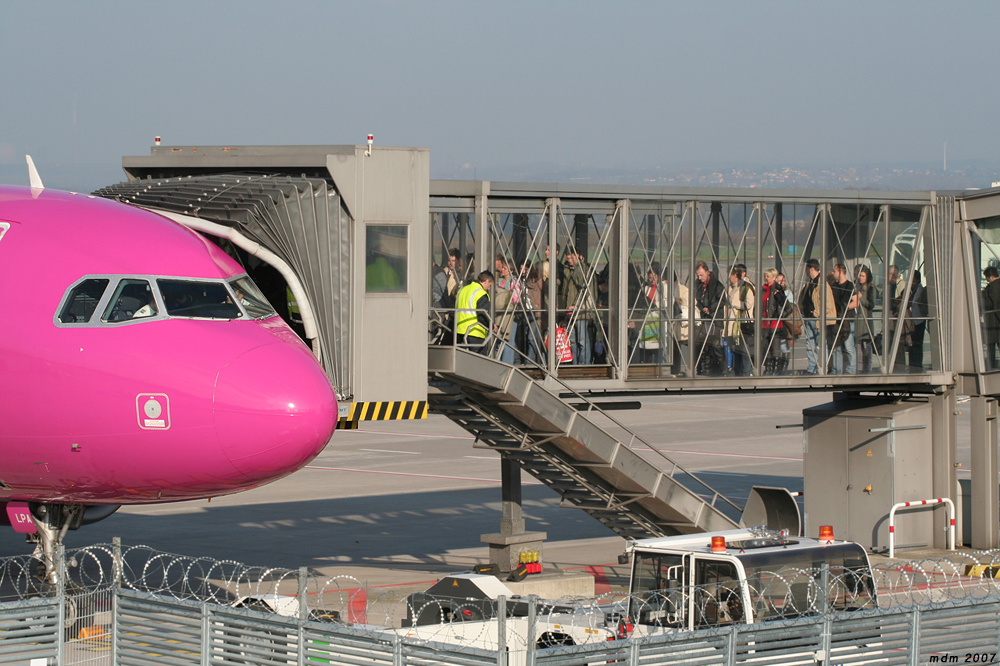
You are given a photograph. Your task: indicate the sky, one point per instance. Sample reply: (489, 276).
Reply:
(489, 86)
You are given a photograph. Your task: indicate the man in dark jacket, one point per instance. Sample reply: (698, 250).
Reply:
(708, 296)
(991, 315)
(814, 316)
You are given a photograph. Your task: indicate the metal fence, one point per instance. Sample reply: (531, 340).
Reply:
(909, 636)
(117, 605)
(152, 629)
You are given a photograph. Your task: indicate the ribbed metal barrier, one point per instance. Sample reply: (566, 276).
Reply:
(29, 631)
(150, 629)
(161, 631)
(913, 636)
(153, 630)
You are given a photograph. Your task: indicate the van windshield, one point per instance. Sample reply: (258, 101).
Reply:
(786, 583)
(657, 591)
(202, 300)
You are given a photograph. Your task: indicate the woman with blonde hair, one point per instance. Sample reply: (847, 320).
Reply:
(772, 306)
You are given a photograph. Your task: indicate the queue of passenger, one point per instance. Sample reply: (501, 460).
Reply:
(665, 318)
(845, 316)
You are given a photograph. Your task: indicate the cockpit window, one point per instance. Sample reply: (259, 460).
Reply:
(252, 299)
(82, 301)
(132, 300)
(205, 300)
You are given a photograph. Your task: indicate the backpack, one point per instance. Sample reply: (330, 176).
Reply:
(746, 327)
(793, 321)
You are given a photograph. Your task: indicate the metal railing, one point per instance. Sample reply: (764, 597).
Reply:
(667, 465)
(918, 504)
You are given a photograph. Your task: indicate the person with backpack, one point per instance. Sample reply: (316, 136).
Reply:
(792, 319)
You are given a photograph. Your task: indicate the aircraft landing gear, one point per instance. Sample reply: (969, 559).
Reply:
(52, 522)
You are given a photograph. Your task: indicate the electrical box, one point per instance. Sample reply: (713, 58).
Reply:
(861, 458)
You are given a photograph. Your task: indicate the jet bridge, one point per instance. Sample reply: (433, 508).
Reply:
(334, 236)
(352, 226)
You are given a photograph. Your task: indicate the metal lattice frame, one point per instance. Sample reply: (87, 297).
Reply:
(302, 220)
(619, 237)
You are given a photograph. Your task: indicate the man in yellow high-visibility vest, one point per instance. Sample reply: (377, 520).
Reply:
(472, 317)
(294, 314)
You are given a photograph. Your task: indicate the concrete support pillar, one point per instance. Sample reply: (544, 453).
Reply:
(943, 443)
(512, 521)
(507, 545)
(985, 482)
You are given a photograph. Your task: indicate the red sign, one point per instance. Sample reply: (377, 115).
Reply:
(20, 518)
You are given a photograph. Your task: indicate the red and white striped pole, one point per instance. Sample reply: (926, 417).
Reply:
(904, 505)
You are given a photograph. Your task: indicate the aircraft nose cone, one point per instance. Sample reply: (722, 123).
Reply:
(274, 410)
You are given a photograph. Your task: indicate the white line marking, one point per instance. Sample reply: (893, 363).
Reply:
(409, 453)
(727, 455)
(481, 457)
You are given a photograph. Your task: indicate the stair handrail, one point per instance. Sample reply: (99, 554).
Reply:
(592, 406)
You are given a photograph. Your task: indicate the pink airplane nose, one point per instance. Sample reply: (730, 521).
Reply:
(274, 410)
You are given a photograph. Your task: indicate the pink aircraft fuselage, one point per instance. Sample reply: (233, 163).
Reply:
(121, 406)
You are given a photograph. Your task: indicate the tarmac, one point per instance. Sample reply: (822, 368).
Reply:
(402, 503)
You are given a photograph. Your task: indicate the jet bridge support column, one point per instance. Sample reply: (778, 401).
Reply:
(943, 440)
(507, 546)
(985, 510)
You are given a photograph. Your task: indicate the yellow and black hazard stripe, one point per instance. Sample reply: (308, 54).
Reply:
(383, 411)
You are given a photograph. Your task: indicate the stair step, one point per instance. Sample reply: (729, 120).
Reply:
(575, 480)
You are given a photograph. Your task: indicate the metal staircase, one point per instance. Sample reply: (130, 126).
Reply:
(563, 447)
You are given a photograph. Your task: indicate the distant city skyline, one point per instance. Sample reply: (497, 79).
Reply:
(970, 174)
(629, 89)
